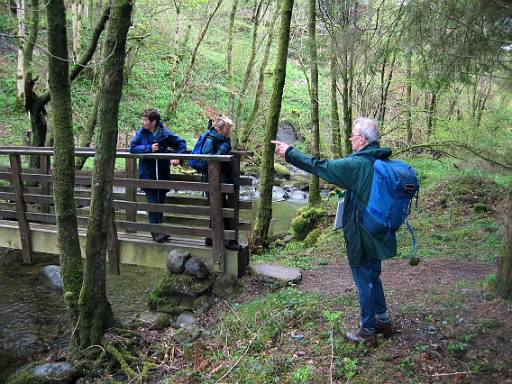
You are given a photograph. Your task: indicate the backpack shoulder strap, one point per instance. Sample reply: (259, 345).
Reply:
(215, 142)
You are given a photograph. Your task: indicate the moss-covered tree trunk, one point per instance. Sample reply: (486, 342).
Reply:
(63, 165)
(88, 133)
(33, 104)
(264, 214)
(335, 114)
(504, 280)
(95, 312)
(314, 184)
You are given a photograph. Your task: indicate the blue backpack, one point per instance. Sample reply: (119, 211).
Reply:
(199, 165)
(394, 186)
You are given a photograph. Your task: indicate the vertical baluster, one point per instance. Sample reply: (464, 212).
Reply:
(26, 243)
(217, 222)
(131, 191)
(44, 166)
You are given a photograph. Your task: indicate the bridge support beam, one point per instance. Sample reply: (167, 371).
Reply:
(132, 249)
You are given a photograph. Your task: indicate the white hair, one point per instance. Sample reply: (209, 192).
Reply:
(369, 128)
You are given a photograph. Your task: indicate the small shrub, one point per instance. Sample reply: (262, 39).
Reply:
(490, 281)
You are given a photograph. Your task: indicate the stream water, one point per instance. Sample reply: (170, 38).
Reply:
(34, 319)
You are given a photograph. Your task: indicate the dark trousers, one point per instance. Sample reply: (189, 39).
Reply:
(155, 196)
(371, 293)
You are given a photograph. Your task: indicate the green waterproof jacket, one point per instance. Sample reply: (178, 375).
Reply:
(354, 173)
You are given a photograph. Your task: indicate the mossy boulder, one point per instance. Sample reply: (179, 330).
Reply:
(43, 372)
(176, 291)
(225, 286)
(176, 305)
(163, 320)
(307, 219)
(176, 260)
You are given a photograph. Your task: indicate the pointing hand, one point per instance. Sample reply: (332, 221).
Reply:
(280, 147)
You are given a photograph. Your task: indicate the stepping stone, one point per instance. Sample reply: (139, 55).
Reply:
(275, 274)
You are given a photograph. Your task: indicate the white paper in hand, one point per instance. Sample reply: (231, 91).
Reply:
(338, 221)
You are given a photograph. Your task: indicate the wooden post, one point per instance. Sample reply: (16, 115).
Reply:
(234, 198)
(113, 246)
(131, 192)
(217, 222)
(23, 225)
(44, 165)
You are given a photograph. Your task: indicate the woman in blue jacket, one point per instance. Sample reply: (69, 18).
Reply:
(218, 142)
(155, 137)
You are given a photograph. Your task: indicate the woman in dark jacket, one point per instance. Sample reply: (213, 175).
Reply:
(155, 137)
(218, 142)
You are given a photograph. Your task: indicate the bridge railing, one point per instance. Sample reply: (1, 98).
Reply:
(26, 195)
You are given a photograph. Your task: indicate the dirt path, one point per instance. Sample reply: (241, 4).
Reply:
(451, 327)
(397, 276)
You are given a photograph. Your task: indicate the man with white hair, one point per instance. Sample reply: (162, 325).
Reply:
(365, 251)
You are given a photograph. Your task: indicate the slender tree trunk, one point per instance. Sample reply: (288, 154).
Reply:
(264, 215)
(87, 135)
(63, 167)
(176, 46)
(76, 22)
(384, 90)
(335, 115)
(95, 311)
(180, 89)
(408, 97)
(314, 184)
(35, 104)
(257, 16)
(20, 79)
(431, 114)
(229, 59)
(504, 278)
(32, 101)
(247, 129)
(346, 102)
(482, 100)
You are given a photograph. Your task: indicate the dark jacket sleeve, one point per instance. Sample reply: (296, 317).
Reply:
(137, 144)
(178, 144)
(341, 172)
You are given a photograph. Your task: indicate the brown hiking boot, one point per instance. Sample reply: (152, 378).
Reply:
(362, 335)
(386, 328)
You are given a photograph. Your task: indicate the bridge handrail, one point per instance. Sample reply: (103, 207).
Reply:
(88, 152)
(130, 203)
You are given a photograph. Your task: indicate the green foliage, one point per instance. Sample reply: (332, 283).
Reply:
(331, 317)
(346, 368)
(312, 237)
(407, 367)
(302, 375)
(490, 281)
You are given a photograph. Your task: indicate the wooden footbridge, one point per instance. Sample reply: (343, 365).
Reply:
(28, 221)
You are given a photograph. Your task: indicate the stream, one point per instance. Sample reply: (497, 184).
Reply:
(34, 318)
